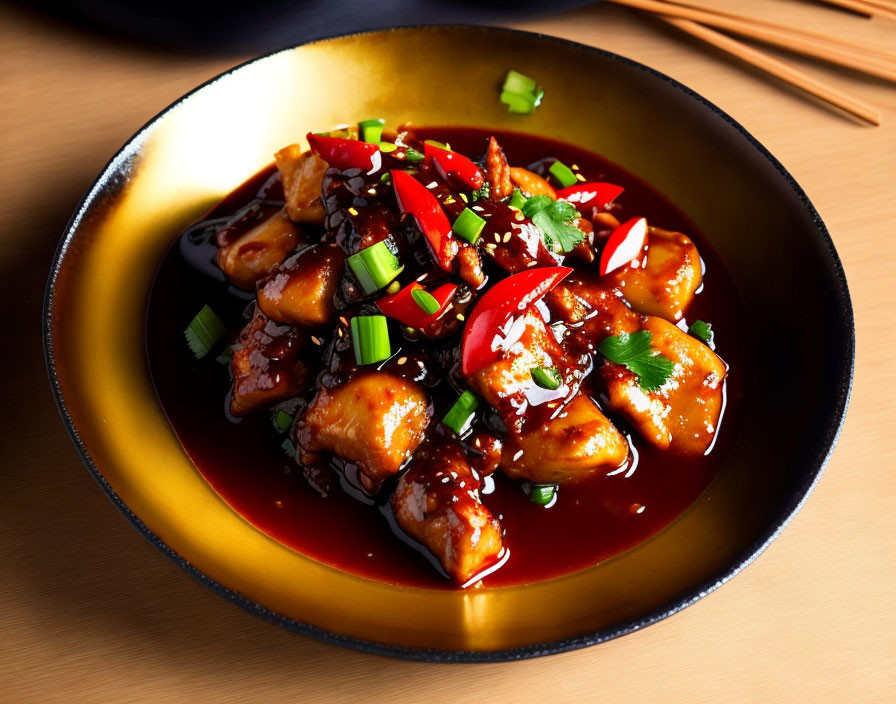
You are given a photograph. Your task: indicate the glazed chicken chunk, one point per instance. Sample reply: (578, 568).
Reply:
(577, 443)
(507, 384)
(667, 284)
(375, 420)
(437, 503)
(301, 290)
(267, 366)
(250, 256)
(302, 174)
(683, 414)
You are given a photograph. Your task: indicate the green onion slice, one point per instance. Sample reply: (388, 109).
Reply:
(702, 331)
(282, 421)
(517, 200)
(468, 225)
(375, 267)
(440, 145)
(546, 377)
(520, 93)
(387, 147)
(425, 300)
(563, 174)
(370, 338)
(413, 156)
(288, 448)
(461, 414)
(204, 331)
(542, 494)
(372, 130)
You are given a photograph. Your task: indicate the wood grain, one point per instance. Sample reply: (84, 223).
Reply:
(89, 612)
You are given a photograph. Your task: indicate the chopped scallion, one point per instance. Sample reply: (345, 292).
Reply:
(204, 331)
(546, 377)
(520, 93)
(542, 494)
(413, 156)
(702, 331)
(564, 175)
(461, 414)
(468, 226)
(282, 421)
(440, 145)
(374, 267)
(387, 147)
(370, 338)
(372, 130)
(425, 300)
(517, 200)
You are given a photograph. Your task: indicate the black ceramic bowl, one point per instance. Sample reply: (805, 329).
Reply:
(744, 201)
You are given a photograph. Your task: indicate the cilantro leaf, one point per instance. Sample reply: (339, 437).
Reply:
(552, 217)
(633, 351)
(702, 331)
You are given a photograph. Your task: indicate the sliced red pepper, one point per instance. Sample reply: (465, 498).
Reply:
(625, 244)
(508, 297)
(346, 154)
(405, 310)
(593, 194)
(455, 168)
(414, 198)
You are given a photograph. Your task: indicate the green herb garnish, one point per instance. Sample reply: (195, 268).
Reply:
(468, 225)
(372, 130)
(425, 301)
(370, 339)
(552, 217)
(288, 448)
(633, 351)
(520, 93)
(461, 414)
(542, 494)
(481, 193)
(282, 421)
(702, 331)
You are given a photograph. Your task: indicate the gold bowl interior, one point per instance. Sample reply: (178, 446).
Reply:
(209, 142)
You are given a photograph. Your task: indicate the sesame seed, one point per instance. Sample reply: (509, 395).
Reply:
(352, 211)
(497, 237)
(463, 197)
(460, 316)
(478, 208)
(371, 191)
(401, 360)
(507, 237)
(518, 454)
(432, 184)
(315, 340)
(343, 320)
(574, 167)
(580, 177)
(519, 217)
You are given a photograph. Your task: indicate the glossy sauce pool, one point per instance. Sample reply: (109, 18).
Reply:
(591, 521)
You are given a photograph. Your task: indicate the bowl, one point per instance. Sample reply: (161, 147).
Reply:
(190, 155)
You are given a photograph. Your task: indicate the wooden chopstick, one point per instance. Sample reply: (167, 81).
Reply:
(863, 7)
(777, 68)
(809, 34)
(880, 68)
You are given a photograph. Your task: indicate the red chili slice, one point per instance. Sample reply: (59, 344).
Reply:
(593, 194)
(345, 154)
(405, 310)
(414, 198)
(455, 168)
(625, 244)
(506, 298)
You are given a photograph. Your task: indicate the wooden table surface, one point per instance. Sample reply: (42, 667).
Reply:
(91, 612)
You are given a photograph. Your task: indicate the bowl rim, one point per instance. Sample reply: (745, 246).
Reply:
(829, 435)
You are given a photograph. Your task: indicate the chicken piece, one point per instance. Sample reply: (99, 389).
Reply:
(575, 444)
(375, 420)
(301, 290)
(667, 284)
(531, 183)
(247, 257)
(507, 384)
(437, 503)
(596, 303)
(497, 172)
(267, 365)
(683, 414)
(302, 174)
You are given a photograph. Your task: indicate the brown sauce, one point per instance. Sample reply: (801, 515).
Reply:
(593, 520)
